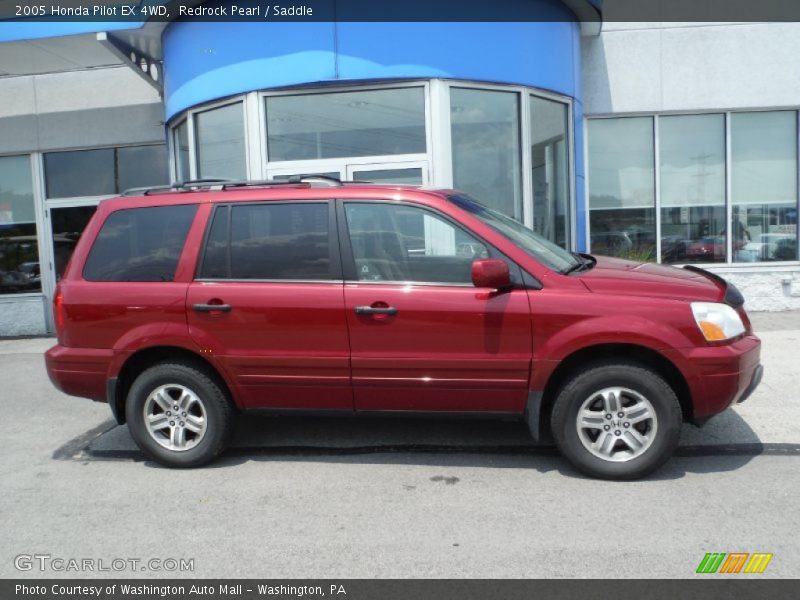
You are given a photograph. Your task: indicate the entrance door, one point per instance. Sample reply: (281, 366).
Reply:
(422, 337)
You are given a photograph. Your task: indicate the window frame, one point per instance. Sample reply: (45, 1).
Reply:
(334, 251)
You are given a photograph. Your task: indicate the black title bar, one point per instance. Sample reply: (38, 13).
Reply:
(400, 10)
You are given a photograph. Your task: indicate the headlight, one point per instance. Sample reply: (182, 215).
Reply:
(718, 322)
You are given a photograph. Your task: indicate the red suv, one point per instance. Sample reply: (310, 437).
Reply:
(186, 305)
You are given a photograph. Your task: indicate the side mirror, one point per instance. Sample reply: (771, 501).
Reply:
(490, 273)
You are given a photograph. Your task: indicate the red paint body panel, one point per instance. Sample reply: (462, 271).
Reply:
(448, 348)
(284, 345)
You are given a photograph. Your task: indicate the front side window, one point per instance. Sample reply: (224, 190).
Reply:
(273, 241)
(19, 251)
(397, 242)
(140, 244)
(341, 124)
(622, 188)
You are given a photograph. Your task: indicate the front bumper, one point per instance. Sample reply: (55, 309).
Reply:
(720, 375)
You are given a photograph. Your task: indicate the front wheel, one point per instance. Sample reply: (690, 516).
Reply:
(178, 415)
(617, 421)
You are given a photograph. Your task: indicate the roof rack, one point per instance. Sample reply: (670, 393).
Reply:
(215, 184)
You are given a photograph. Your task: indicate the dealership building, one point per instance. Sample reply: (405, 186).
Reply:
(667, 142)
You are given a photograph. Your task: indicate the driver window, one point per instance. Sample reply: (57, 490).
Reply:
(400, 242)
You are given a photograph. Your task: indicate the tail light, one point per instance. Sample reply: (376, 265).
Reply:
(58, 312)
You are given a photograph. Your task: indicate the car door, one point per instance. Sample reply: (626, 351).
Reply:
(268, 303)
(422, 337)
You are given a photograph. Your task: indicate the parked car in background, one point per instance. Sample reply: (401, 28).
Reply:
(707, 249)
(185, 306)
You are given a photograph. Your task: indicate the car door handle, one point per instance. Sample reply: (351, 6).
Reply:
(211, 307)
(376, 310)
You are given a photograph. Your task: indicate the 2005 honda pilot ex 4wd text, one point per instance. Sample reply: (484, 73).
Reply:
(185, 306)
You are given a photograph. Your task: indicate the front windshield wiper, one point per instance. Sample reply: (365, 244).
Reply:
(583, 264)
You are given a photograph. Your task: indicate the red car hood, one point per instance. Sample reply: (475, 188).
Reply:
(617, 276)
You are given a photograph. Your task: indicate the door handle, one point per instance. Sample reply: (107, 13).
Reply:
(376, 310)
(211, 307)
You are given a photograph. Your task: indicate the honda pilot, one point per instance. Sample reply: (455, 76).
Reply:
(187, 305)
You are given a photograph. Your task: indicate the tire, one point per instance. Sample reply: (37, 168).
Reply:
(609, 448)
(190, 437)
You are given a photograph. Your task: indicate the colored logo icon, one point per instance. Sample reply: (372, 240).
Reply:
(734, 562)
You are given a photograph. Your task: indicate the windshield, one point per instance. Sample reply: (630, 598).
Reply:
(543, 250)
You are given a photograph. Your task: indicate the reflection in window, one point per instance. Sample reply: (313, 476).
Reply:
(550, 168)
(181, 146)
(271, 241)
(692, 178)
(19, 252)
(104, 171)
(395, 242)
(764, 186)
(140, 244)
(141, 166)
(68, 225)
(486, 147)
(80, 173)
(622, 187)
(219, 135)
(362, 123)
(410, 176)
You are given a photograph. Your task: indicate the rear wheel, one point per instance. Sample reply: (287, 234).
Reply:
(178, 415)
(617, 420)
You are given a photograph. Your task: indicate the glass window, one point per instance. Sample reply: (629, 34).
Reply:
(550, 168)
(279, 241)
(692, 179)
(408, 176)
(764, 186)
(362, 123)
(181, 146)
(622, 187)
(219, 135)
(396, 242)
(68, 225)
(141, 166)
(486, 147)
(19, 250)
(104, 171)
(80, 173)
(140, 244)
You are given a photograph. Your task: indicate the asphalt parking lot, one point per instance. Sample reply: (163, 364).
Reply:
(395, 498)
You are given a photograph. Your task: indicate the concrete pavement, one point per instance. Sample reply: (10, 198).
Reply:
(396, 498)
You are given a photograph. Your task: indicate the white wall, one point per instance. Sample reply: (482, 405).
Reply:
(661, 67)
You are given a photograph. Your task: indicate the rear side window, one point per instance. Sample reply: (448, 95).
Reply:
(269, 241)
(140, 244)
